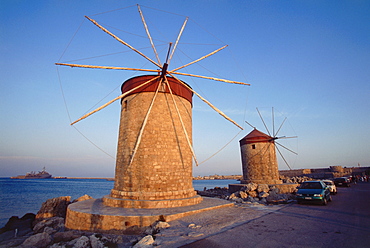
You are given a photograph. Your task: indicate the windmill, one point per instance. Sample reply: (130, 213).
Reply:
(258, 152)
(154, 153)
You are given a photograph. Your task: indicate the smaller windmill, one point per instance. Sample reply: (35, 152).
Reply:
(258, 152)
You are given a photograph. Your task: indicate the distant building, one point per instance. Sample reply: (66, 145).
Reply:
(331, 172)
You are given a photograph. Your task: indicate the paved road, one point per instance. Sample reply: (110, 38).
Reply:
(344, 222)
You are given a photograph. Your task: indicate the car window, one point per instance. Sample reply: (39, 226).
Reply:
(311, 185)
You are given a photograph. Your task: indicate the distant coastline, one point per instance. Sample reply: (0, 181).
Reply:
(218, 177)
(213, 177)
(106, 178)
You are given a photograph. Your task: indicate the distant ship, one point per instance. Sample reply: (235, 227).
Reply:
(33, 175)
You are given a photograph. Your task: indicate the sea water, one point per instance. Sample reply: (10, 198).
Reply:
(21, 196)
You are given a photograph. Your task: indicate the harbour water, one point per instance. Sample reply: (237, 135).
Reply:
(21, 196)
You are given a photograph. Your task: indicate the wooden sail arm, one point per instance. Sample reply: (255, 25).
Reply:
(263, 122)
(280, 126)
(212, 78)
(121, 41)
(141, 131)
(284, 137)
(182, 123)
(105, 67)
(286, 162)
(115, 99)
(205, 56)
(148, 33)
(209, 104)
(177, 40)
(287, 148)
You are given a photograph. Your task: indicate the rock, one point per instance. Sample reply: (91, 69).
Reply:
(56, 245)
(82, 198)
(250, 187)
(95, 241)
(274, 190)
(272, 197)
(38, 240)
(149, 231)
(49, 230)
(243, 195)
(82, 242)
(263, 201)
(215, 192)
(194, 226)
(147, 241)
(56, 223)
(263, 187)
(263, 194)
(22, 225)
(156, 227)
(232, 197)
(65, 236)
(117, 240)
(161, 225)
(252, 193)
(55, 207)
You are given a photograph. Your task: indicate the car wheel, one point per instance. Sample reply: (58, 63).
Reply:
(324, 202)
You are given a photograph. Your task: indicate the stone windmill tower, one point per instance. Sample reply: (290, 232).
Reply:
(259, 162)
(157, 173)
(154, 155)
(258, 154)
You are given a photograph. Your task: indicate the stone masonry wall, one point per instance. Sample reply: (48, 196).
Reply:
(259, 164)
(162, 166)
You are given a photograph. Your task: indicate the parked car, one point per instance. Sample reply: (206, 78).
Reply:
(313, 191)
(342, 181)
(331, 185)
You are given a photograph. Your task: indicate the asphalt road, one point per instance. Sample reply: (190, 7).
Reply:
(344, 222)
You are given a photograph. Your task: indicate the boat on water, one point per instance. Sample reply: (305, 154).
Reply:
(43, 174)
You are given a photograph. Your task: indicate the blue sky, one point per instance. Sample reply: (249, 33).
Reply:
(309, 60)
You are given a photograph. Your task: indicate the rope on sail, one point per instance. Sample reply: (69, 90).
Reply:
(220, 149)
(182, 123)
(138, 141)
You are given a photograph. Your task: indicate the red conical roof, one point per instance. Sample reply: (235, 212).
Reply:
(254, 137)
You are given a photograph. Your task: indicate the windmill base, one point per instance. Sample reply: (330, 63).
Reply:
(92, 215)
(168, 203)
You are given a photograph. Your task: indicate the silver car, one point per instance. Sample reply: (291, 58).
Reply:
(331, 185)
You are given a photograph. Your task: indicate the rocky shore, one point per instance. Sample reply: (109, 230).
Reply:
(251, 193)
(46, 228)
